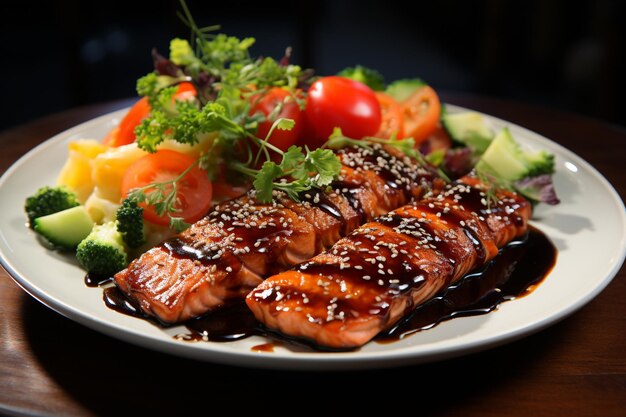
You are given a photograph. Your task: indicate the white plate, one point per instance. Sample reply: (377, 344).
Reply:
(588, 228)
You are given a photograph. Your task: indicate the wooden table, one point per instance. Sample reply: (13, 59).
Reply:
(50, 365)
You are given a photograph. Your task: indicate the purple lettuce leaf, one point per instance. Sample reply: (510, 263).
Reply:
(539, 189)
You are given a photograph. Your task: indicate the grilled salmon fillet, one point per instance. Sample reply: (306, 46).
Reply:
(242, 241)
(369, 280)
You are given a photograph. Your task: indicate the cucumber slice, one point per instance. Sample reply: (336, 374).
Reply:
(65, 229)
(504, 158)
(401, 90)
(470, 129)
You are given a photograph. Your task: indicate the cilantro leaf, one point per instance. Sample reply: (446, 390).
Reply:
(292, 158)
(285, 124)
(264, 180)
(178, 224)
(297, 172)
(323, 162)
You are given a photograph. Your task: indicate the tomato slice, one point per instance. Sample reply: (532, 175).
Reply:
(111, 137)
(265, 104)
(185, 91)
(421, 113)
(194, 190)
(222, 190)
(392, 118)
(124, 133)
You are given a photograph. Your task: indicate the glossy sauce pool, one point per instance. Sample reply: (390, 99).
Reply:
(517, 270)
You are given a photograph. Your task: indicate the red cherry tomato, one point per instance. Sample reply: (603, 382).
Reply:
(124, 133)
(194, 190)
(340, 102)
(265, 104)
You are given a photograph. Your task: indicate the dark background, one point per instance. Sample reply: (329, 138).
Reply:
(568, 55)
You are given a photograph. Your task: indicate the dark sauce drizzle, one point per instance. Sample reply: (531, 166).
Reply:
(320, 200)
(351, 193)
(520, 266)
(514, 273)
(94, 280)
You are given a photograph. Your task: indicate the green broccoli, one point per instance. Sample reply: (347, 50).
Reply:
(102, 252)
(130, 223)
(49, 200)
(371, 78)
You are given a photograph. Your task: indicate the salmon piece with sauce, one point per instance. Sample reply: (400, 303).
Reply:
(242, 241)
(375, 276)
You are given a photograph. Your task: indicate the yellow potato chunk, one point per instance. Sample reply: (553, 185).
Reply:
(109, 168)
(76, 173)
(205, 140)
(101, 210)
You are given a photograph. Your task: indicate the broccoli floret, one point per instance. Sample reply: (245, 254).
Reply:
(371, 78)
(130, 223)
(102, 252)
(49, 200)
(539, 163)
